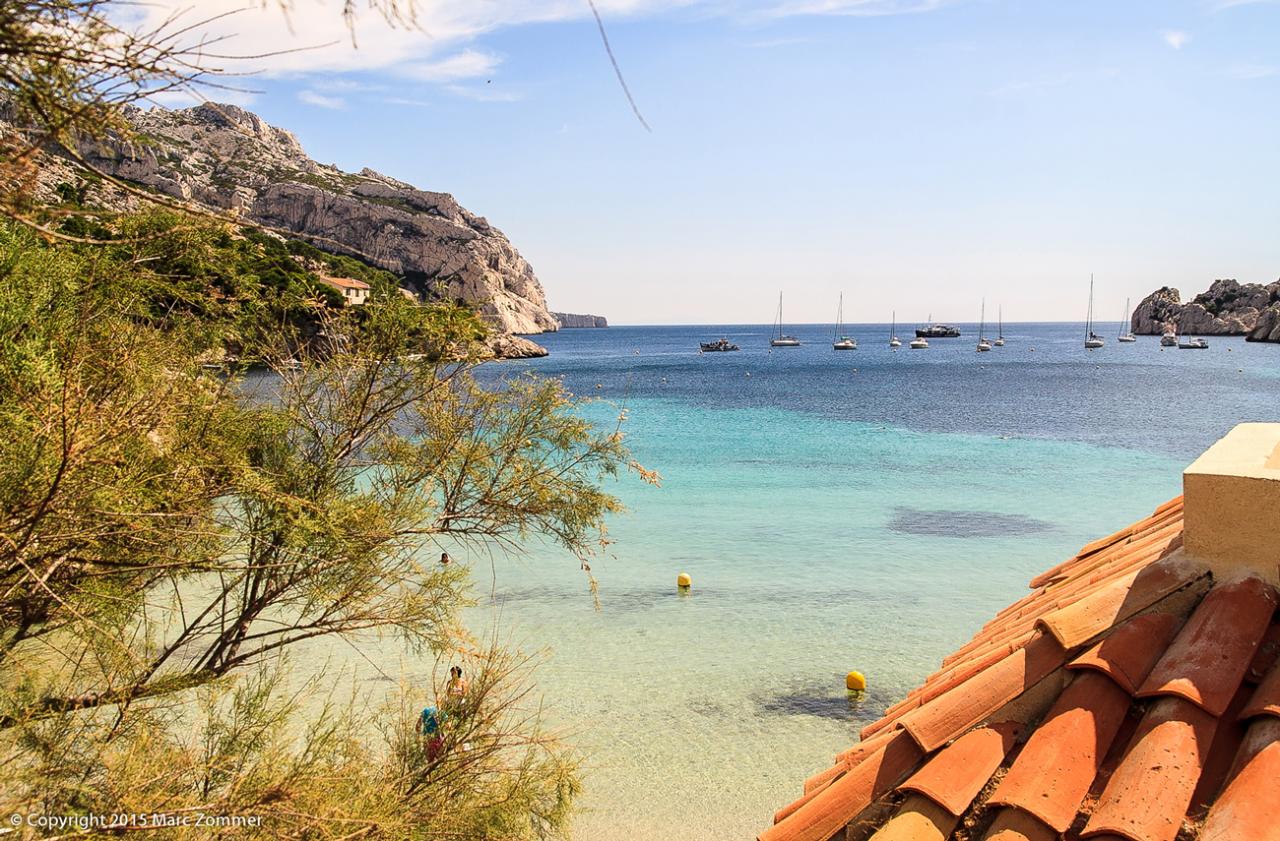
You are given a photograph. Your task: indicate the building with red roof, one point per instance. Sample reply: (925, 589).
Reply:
(354, 292)
(1133, 695)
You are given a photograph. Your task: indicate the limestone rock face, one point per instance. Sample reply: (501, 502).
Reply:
(229, 158)
(508, 346)
(1267, 328)
(1156, 312)
(573, 320)
(1227, 308)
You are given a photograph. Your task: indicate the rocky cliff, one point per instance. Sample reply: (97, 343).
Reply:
(1227, 308)
(569, 319)
(229, 158)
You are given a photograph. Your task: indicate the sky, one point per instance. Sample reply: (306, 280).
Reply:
(919, 156)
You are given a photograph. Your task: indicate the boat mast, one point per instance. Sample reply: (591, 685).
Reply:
(839, 317)
(982, 320)
(1000, 329)
(893, 325)
(1088, 317)
(779, 315)
(1124, 317)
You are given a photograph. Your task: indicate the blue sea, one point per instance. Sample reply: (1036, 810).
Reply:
(860, 510)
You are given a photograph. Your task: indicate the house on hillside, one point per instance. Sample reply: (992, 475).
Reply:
(1133, 695)
(354, 292)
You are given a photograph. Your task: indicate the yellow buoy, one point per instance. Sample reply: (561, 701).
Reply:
(855, 682)
(683, 581)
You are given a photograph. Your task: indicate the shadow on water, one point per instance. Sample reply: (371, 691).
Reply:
(928, 523)
(628, 600)
(829, 702)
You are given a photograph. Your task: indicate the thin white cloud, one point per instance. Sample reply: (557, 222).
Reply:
(483, 93)
(310, 97)
(407, 101)
(1175, 38)
(468, 64)
(1248, 72)
(1220, 5)
(855, 8)
(314, 38)
(771, 43)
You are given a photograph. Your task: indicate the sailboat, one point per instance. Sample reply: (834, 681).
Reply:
(838, 341)
(781, 340)
(1091, 339)
(983, 344)
(894, 341)
(1126, 328)
(999, 342)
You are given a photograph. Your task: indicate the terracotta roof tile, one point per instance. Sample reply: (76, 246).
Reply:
(1267, 657)
(1127, 615)
(1013, 825)
(1148, 796)
(1127, 655)
(1222, 753)
(861, 749)
(1085, 619)
(1266, 698)
(1056, 768)
(917, 819)
(1249, 810)
(834, 806)
(1208, 659)
(945, 717)
(958, 772)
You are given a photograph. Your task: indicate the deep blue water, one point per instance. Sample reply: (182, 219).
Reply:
(1042, 384)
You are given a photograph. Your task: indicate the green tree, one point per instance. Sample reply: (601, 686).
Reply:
(168, 533)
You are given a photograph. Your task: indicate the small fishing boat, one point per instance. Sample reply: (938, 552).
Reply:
(999, 342)
(1092, 340)
(838, 341)
(1194, 344)
(718, 346)
(1126, 328)
(919, 343)
(894, 341)
(983, 344)
(781, 339)
(1169, 339)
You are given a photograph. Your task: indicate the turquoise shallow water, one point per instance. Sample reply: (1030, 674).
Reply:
(865, 510)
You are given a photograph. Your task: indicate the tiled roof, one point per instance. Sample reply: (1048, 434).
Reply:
(343, 282)
(1128, 696)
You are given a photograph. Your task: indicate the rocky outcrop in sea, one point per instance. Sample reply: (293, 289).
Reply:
(1227, 308)
(231, 159)
(569, 320)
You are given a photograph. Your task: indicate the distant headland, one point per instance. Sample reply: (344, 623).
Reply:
(570, 320)
(1227, 308)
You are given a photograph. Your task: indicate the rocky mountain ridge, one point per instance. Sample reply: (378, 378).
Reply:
(569, 320)
(1227, 308)
(228, 158)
